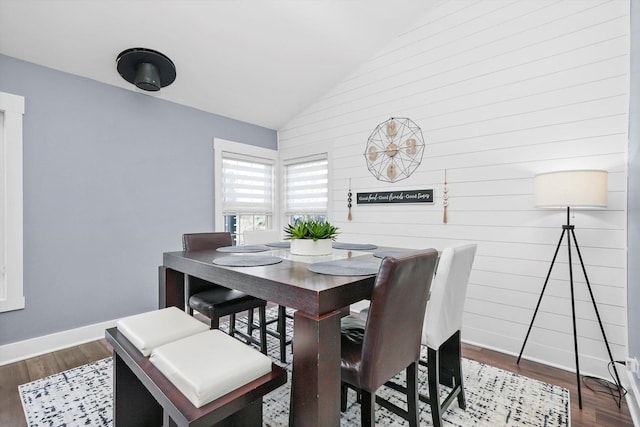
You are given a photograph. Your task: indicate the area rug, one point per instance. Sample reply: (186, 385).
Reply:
(82, 397)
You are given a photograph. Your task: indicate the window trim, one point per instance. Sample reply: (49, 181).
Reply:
(11, 143)
(221, 146)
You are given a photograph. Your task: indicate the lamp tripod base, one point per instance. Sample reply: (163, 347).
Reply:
(568, 229)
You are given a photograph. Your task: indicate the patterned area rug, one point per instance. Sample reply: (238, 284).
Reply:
(82, 397)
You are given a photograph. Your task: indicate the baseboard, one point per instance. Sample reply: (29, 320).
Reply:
(583, 372)
(633, 397)
(510, 353)
(21, 350)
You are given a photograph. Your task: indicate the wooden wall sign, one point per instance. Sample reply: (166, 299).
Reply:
(408, 196)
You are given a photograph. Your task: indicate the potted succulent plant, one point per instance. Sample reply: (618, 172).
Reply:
(311, 237)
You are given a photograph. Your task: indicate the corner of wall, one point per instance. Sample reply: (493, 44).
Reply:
(633, 397)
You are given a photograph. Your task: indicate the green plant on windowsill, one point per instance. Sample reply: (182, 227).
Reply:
(311, 230)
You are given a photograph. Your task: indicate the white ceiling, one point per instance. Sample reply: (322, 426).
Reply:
(259, 61)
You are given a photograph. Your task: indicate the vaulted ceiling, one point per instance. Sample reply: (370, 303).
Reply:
(259, 61)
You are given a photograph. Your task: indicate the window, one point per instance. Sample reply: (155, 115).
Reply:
(11, 289)
(245, 177)
(306, 189)
(247, 194)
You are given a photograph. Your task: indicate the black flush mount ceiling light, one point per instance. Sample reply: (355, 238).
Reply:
(147, 69)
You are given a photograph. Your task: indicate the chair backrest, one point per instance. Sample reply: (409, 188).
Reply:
(448, 292)
(392, 333)
(204, 241)
(257, 237)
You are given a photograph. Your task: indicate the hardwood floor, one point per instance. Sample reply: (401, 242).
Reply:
(14, 374)
(598, 409)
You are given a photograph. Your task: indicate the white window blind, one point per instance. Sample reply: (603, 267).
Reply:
(247, 184)
(306, 186)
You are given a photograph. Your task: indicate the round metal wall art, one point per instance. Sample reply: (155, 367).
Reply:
(394, 149)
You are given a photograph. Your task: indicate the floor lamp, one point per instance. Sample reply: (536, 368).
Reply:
(572, 189)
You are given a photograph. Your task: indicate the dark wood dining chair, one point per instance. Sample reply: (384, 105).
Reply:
(388, 342)
(215, 301)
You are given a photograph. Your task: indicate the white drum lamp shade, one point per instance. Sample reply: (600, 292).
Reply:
(576, 189)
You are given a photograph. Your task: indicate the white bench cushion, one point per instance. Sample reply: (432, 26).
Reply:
(149, 330)
(209, 365)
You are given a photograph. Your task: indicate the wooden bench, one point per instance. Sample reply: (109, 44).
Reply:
(143, 396)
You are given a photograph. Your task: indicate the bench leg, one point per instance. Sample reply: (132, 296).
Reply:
(249, 416)
(168, 421)
(133, 405)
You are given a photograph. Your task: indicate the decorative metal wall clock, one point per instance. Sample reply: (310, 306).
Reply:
(394, 149)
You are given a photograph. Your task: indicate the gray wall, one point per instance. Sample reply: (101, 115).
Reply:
(112, 178)
(633, 195)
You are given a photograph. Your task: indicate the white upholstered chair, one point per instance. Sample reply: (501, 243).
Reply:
(441, 328)
(260, 237)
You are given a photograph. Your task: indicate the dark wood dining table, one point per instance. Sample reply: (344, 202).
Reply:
(319, 301)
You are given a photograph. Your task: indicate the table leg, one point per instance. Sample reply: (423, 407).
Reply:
(315, 384)
(171, 288)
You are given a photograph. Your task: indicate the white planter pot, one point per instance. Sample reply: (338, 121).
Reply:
(310, 247)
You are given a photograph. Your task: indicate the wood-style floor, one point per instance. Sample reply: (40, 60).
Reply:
(598, 409)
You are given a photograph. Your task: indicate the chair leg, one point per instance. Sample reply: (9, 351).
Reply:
(433, 374)
(368, 407)
(263, 328)
(412, 394)
(188, 293)
(457, 374)
(214, 321)
(232, 324)
(250, 326)
(343, 397)
(282, 332)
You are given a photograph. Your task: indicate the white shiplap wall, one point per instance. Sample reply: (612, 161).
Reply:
(502, 90)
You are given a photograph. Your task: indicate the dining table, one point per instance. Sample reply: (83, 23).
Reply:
(319, 302)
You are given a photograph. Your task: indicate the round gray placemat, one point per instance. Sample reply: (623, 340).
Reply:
(395, 254)
(243, 249)
(344, 268)
(279, 244)
(354, 246)
(247, 260)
